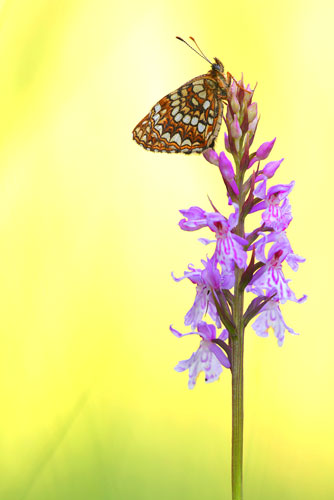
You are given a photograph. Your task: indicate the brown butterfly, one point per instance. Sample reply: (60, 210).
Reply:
(187, 120)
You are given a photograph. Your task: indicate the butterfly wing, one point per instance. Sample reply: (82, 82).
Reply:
(185, 121)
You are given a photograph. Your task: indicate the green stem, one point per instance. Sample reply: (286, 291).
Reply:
(237, 347)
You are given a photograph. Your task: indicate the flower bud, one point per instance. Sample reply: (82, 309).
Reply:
(271, 167)
(249, 94)
(252, 126)
(225, 167)
(227, 144)
(235, 128)
(235, 104)
(229, 116)
(211, 156)
(252, 112)
(265, 149)
(227, 171)
(233, 89)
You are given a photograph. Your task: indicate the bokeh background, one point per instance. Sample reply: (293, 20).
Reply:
(91, 407)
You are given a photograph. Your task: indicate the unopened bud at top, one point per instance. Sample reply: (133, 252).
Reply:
(235, 128)
(229, 115)
(252, 126)
(225, 166)
(227, 144)
(211, 156)
(235, 104)
(271, 167)
(252, 112)
(249, 94)
(265, 149)
(233, 89)
(227, 171)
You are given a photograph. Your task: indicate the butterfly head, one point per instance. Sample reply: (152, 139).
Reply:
(218, 65)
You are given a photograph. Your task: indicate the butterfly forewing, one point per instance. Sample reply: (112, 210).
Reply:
(185, 121)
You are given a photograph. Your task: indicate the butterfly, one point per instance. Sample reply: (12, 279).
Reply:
(188, 119)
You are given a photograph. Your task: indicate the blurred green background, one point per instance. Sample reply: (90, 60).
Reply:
(91, 406)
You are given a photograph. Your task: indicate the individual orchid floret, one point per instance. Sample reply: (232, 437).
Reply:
(274, 216)
(209, 357)
(270, 277)
(278, 239)
(271, 318)
(196, 219)
(206, 280)
(229, 246)
(278, 217)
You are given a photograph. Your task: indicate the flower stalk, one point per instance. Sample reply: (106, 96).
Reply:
(237, 368)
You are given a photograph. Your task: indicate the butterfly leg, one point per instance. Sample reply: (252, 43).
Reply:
(230, 77)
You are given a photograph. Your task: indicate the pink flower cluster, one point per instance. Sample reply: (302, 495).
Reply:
(260, 253)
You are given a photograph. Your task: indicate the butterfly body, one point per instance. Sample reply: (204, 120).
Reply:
(186, 120)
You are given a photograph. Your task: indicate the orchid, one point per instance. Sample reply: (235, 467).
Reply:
(253, 262)
(208, 357)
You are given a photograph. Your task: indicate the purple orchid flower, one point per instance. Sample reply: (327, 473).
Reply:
(229, 246)
(275, 216)
(271, 317)
(279, 239)
(206, 279)
(209, 357)
(270, 277)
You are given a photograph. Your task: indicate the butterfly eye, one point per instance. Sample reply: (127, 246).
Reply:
(216, 67)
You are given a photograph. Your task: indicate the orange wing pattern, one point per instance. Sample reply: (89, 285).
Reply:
(185, 121)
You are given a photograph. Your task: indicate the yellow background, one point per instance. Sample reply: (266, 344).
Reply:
(91, 407)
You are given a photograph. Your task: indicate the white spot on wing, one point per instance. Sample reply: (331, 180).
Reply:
(174, 96)
(175, 103)
(157, 108)
(198, 88)
(178, 117)
(156, 117)
(194, 120)
(186, 119)
(186, 142)
(206, 104)
(175, 110)
(176, 138)
(159, 128)
(166, 136)
(202, 95)
(200, 127)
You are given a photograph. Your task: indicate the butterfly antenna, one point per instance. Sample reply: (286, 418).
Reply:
(201, 51)
(192, 48)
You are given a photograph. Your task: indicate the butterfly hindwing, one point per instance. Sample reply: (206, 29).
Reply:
(185, 121)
